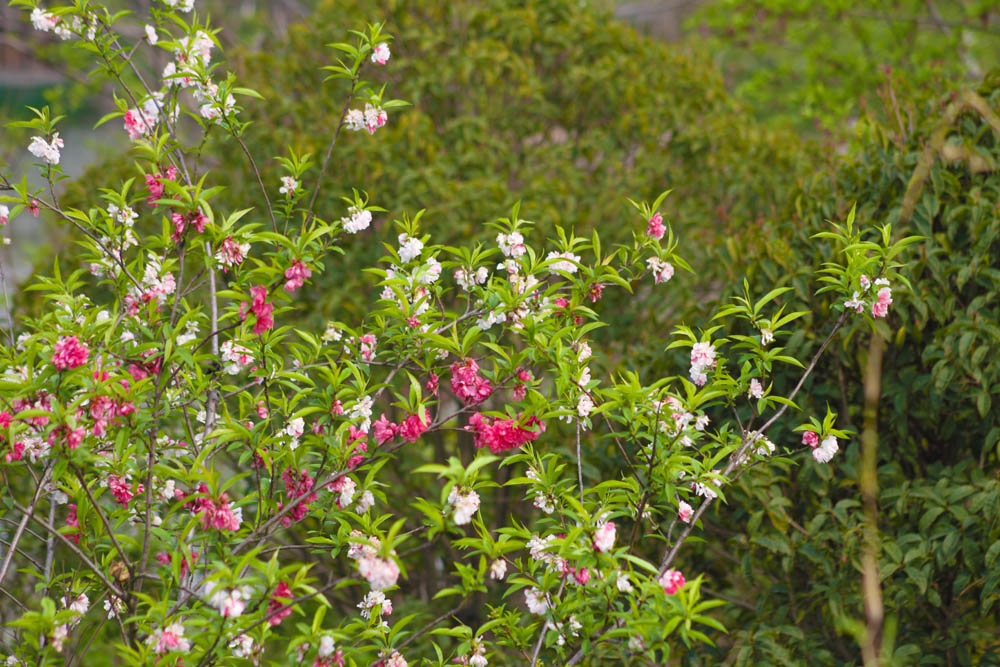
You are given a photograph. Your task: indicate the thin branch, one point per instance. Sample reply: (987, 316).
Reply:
(72, 547)
(24, 522)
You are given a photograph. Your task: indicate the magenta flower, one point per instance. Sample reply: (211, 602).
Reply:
(69, 353)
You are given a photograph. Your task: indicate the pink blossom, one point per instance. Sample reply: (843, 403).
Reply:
(385, 430)
(662, 271)
(604, 538)
(810, 438)
(122, 490)
(263, 310)
(656, 229)
(296, 275)
(672, 581)
(466, 383)
(582, 575)
(414, 427)
(73, 522)
(231, 253)
(297, 485)
(502, 435)
(171, 638)
(380, 55)
(596, 290)
(381, 573)
(684, 512)
(881, 306)
(368, 343)
(277, 610)
(432, 384)
(756, 389)
(69, 353)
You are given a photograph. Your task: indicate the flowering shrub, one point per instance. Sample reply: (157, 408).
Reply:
(223, 481)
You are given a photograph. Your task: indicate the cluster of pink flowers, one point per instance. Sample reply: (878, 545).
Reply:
(296, 486)
(672, 581)
(155, 186)
(213, 514)
(278, 608)
(263, 310)
(372, 118)
(466, 383)
(69, 353)
(880, 302)
(122, 490)
(656, 228)
(394, 659)
(414, 426)
(501, 435)
(702, 359)
(197, 219)
(367, 344)
(296, 275)
(171, 638)
(231, 253)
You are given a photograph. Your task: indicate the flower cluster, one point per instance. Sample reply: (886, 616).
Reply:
(501, 435)
(465, 504)
(47, 151)
(880, 302)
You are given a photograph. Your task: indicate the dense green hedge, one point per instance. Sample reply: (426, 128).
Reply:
(797, 536)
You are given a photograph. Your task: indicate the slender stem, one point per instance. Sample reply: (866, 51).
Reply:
(104, 520)
(21, 526)
(50, 547)
(72, 547)
(579, 461)
(329, 150)
(427, 628)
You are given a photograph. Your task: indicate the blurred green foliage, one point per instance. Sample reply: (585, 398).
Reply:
(816, 64)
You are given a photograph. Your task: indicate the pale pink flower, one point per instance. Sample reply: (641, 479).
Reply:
(672, 581)
(854, 302)
(381, 573)
(662, 271)
(756, 389)
(684, 512)
(380, 55)
(288, 186)
(604, 538)
(498, 569)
